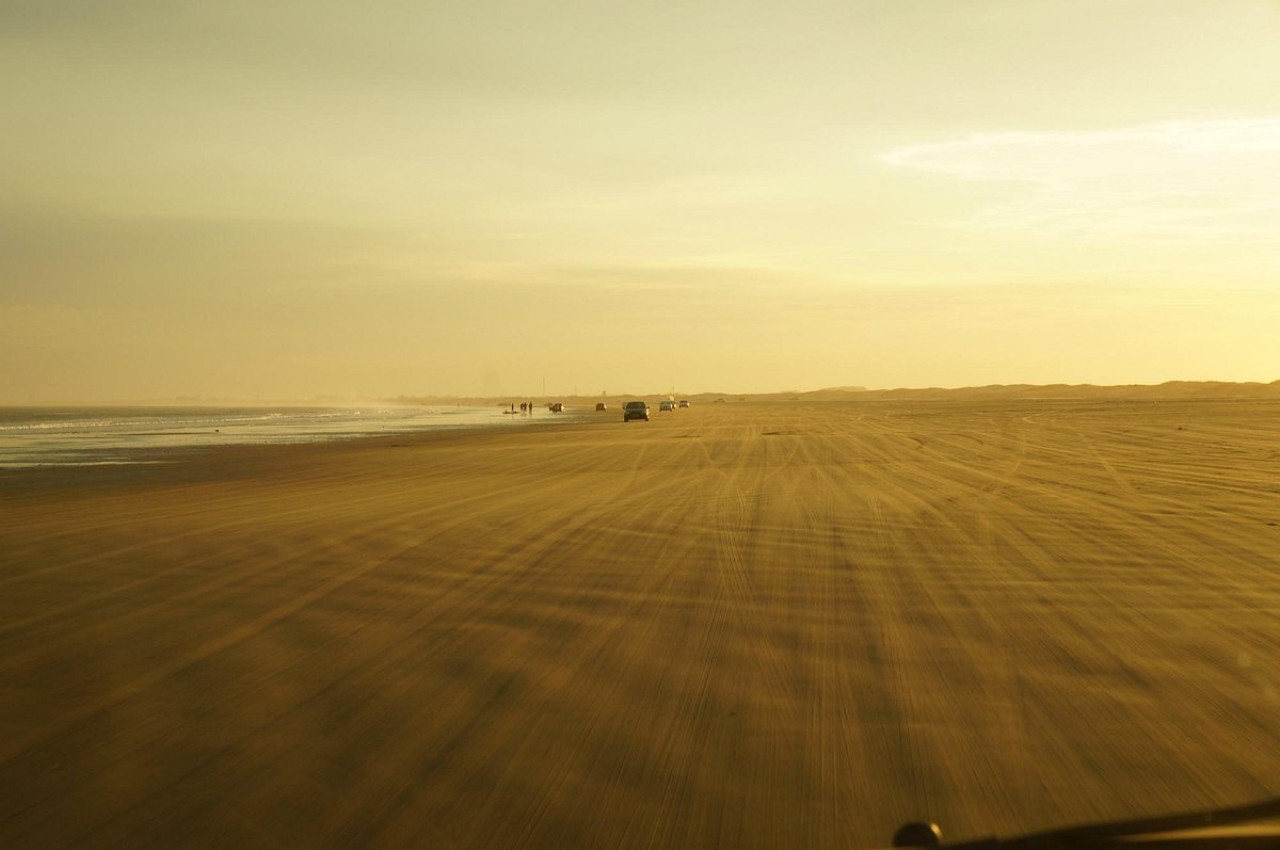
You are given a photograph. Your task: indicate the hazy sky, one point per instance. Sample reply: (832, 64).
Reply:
(284, 200)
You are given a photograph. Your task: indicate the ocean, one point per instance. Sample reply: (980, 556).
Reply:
(61, 436)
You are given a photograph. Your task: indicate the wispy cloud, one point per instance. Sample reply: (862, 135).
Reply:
(1213, 181)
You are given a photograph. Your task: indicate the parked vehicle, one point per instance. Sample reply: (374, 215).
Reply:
(601, 407)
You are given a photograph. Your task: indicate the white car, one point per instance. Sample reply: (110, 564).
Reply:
(666, 405)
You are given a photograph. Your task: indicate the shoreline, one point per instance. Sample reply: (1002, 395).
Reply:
(86, 442)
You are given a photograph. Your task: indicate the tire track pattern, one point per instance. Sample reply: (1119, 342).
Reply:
(747, 625)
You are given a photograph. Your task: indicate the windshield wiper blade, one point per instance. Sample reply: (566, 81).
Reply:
(1098, 835)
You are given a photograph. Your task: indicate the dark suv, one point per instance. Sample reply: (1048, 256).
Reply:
(635, 410)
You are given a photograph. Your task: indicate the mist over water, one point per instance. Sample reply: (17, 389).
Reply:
(61, 436)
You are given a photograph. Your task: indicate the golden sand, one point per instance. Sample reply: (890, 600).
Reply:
(752, 625)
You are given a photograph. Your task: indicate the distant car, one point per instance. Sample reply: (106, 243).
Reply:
(601, 407)
(635, 410)
(557, 407)
(666, 405)
(684, 402)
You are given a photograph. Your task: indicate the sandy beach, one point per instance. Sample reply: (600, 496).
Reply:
(742, 625)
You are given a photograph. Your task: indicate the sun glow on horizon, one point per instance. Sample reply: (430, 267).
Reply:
(297, 201)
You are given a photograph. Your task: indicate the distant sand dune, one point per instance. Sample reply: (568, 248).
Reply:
(753, 624)
(1168, 391)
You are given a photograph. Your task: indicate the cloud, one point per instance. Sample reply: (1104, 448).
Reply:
(1207, 181)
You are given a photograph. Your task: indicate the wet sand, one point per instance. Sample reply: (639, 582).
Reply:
(745, 625)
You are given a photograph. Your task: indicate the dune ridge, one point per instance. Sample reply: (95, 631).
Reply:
(1169, 390)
